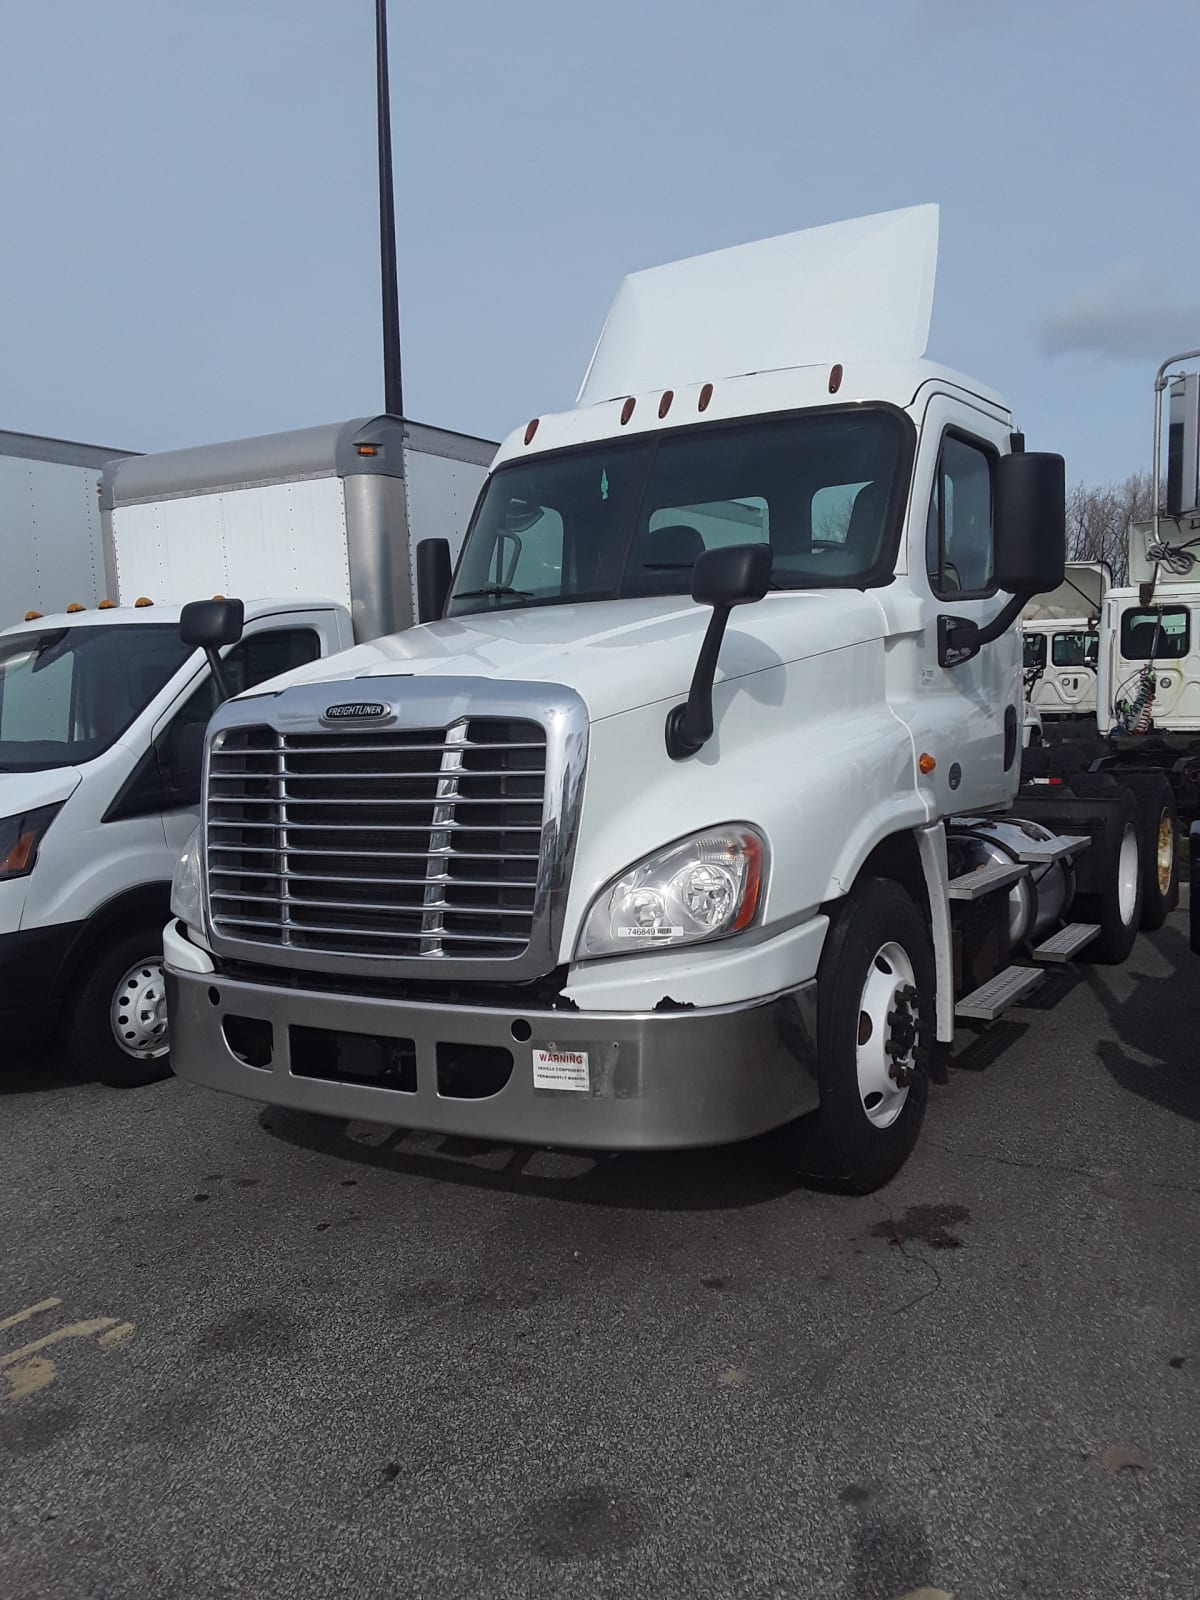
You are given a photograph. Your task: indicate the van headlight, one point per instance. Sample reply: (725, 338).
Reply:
(702, 887)
(187, 886)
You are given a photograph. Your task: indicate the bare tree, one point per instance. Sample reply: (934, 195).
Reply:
(1098, 521)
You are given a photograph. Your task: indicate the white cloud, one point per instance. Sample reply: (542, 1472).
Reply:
(1129, 316)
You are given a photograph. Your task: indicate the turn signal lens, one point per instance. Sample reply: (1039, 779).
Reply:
(19, 840)
(926, 763)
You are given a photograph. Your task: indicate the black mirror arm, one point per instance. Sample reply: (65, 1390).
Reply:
(217, 667)
(690, 726)
(959, 639)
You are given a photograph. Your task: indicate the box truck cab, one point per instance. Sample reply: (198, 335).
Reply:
(695, 813)
(102, 709)
(101, 717)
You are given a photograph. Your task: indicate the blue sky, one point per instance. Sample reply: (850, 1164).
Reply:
(189, 222)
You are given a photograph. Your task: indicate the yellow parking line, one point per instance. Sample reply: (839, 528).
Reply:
(73, 1330)
(29, 1311)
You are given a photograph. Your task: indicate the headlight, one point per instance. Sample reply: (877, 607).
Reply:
(20, 837)
(699, 888)
(187, 887)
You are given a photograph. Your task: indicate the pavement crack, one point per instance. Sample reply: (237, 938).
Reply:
(895, 1242)
(1055, 1166)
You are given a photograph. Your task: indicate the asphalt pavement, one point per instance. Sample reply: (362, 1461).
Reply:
(249, 1353)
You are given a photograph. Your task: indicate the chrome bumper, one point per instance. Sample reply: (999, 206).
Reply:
(655, 1080)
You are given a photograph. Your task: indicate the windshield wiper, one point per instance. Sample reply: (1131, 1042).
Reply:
(495, 591)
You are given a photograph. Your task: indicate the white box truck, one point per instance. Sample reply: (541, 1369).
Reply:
(102, 707)
(51, 544)
(699, 812)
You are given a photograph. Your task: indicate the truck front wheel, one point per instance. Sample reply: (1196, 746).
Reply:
(875, 1033)
(118, 1027)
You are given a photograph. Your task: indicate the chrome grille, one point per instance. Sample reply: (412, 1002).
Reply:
(423, 842)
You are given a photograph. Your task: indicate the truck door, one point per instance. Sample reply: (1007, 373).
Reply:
(968, 717)
(1167, 639)
(1069, 686)
(274, 647)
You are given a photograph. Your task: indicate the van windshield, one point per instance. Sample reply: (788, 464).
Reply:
(67, 694)
(624, 518)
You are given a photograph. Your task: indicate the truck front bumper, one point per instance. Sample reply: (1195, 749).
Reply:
(654, 1080)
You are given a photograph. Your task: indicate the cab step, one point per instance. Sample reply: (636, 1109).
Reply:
(1067, 942)
(985, 880)
(1038, 852)
(995, 996)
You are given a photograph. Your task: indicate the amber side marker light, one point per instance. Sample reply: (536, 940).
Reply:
(74, 607)
(367, 449)
(142, 601)
(927, 763)
(754, 865)
(17, 858)
(32, 616)
(107, 605)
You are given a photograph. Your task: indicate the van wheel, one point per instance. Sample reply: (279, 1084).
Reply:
(1158, 823)
(1117, 906)
(119, 1027)
(875, 1032)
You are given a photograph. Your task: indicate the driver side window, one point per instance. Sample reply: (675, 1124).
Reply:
(958, 529)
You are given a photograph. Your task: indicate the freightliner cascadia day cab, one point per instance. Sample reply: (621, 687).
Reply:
(1061, 641)
(695, 813)
(102, 709)
(51, 546)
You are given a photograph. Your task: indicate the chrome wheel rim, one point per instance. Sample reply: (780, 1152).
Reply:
(888, 1035)
(1166, 853)
(139, 1012)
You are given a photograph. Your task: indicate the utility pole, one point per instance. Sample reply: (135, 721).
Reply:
(393, 387)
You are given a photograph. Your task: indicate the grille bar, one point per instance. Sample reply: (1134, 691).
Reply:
(412, 879)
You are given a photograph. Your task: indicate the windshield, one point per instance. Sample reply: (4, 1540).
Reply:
(623, 518)
(68, 693)
(1076, 649)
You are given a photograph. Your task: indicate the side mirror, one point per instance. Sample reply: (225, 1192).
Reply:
(1031, 523)
(1030, 545)
(433, 578)
(733, 576)
(207, 625)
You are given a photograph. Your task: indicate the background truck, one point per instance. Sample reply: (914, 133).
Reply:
(1061, 642)
(102, 709)
(51, 546)
(699, 812)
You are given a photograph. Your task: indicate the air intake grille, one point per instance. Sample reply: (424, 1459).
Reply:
(384, 844)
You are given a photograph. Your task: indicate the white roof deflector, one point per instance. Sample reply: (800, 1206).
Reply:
(852, 291)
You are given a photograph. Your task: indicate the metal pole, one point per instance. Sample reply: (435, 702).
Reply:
(393, 388)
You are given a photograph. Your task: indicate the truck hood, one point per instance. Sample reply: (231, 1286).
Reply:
(616, 654)
(26, 791)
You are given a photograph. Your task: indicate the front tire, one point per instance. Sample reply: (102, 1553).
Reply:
(875, 1034)
(118, 1028)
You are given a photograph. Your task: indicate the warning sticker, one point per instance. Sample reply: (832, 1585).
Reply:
(561, 1069)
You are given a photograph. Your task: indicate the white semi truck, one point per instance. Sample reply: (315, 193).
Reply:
(102, 707)
(1061, 641)
(698, 812)
(51, 544)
